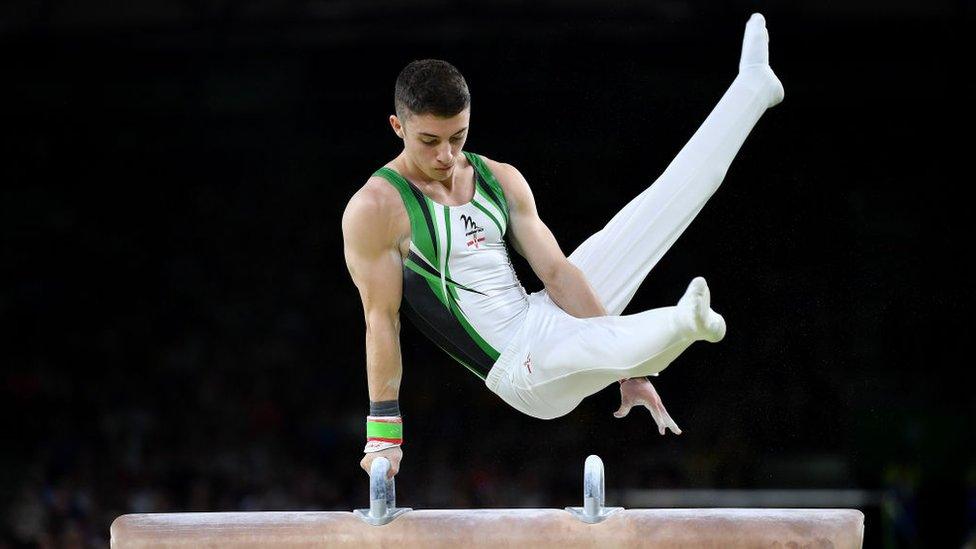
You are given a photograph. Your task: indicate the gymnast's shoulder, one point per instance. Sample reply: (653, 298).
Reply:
(375, 200)
(512, 181)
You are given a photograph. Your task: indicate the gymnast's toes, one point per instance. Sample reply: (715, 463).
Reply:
(715, 330)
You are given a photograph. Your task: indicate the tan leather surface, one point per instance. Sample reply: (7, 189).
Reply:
(470, 528)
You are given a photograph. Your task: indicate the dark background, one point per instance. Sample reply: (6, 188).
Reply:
(179, 331)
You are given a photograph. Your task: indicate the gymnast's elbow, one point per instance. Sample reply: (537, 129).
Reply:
(572, 292)
(560, 275)
(382, 322)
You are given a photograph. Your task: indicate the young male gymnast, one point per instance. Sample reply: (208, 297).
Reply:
(426, 232)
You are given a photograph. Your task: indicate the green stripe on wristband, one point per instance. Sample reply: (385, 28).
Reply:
(383, 429)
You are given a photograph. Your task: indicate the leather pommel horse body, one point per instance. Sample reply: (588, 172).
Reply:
(593, 525)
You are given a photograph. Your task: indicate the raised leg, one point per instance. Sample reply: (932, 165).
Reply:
(616, 259)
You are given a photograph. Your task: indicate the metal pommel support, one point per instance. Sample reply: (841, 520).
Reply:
(593, 510)
(382, 496)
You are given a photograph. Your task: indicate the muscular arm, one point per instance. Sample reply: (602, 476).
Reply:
(374, 263)
(566, 284)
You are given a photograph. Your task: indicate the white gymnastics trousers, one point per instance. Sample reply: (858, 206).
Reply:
(556, 360)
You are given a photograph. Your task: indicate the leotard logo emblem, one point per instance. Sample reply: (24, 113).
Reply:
(472, 231)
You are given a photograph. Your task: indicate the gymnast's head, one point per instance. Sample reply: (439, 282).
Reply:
(433, 107)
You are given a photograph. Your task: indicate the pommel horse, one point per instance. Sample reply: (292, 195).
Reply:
(592, 525)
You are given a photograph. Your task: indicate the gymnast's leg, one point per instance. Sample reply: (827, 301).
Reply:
(616, 259)
(572, 358)
(579, 357)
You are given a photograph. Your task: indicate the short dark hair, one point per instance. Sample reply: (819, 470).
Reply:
(431, 86)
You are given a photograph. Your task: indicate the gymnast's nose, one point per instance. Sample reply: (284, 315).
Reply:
(444, 154)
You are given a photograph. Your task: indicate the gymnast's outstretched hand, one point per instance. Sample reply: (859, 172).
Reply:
(638, 391)
(394, 454)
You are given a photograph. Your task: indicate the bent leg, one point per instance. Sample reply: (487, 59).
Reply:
(571, 358)
(616, 259)
(612, 348)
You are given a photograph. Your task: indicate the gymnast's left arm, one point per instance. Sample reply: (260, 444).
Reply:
(566, 284)
(532, 239)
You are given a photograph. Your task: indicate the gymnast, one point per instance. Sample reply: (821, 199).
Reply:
(426, 234)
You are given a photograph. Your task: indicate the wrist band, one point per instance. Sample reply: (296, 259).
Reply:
(383, 432)
(384, 408)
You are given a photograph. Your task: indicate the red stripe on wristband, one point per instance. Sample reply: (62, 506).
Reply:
(378, 439)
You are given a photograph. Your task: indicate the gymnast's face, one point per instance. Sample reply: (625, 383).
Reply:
(433, 144)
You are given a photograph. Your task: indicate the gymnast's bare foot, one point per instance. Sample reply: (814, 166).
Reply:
(754, 62)
(638, 391)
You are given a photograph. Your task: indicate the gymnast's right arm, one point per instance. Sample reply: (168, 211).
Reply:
(374, 262)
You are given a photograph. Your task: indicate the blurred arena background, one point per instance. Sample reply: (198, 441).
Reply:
(179, 332)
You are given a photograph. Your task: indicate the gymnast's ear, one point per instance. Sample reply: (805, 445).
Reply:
(397, 126)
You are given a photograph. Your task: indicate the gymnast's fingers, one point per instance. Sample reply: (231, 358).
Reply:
(394, 454)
